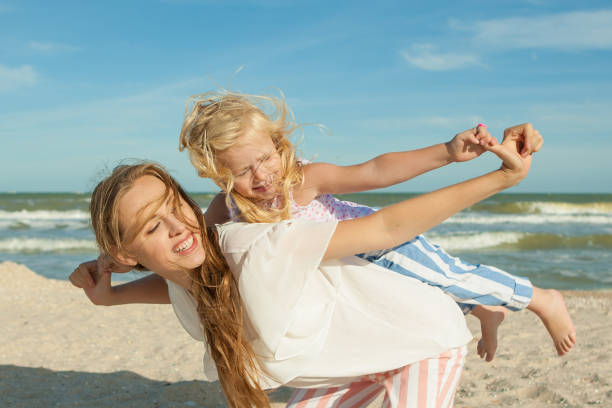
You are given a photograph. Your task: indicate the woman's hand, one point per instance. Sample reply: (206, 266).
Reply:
(83, 276)
(514, 165)
(94, 278)
(469, 144)
(108, 264)
(529, 138)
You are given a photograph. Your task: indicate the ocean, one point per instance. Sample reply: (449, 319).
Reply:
(561, 241)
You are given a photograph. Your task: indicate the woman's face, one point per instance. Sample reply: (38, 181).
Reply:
(255, 165)
(165, 245)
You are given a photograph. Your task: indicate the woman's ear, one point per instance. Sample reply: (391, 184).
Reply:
(125, 258)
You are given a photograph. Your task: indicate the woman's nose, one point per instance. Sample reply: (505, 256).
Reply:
(175, 226)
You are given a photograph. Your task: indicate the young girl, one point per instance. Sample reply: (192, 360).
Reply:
(249, 156)
(288, 303)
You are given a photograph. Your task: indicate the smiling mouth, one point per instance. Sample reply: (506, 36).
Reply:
(186, 246)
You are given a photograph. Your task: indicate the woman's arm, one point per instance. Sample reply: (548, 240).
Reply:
(96, 284)
(401, 222)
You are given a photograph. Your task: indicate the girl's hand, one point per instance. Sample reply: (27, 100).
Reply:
(469, 144)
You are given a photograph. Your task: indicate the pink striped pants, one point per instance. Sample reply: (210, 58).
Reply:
(429, 383)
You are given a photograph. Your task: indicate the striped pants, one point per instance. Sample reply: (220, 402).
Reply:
(429, 383)
(467, 284)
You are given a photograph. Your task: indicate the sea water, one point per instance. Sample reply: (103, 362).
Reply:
(561, 241)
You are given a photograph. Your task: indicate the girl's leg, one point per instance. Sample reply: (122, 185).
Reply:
(429, 383)
(481, 286)
(479, 289)
(466, 283)
(358, 394)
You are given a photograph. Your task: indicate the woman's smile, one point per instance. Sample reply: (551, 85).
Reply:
(187, 245)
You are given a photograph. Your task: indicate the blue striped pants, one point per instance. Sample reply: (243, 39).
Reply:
(469, 285)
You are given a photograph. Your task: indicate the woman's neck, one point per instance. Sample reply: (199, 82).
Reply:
(181, 278)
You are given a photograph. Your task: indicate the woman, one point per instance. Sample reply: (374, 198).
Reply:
(275, 303)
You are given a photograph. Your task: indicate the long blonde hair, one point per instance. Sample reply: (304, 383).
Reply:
(214, 287)
(213, 123)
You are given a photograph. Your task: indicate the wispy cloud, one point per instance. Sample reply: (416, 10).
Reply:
(13, 78)
(51, 47)
(424, 56)
(569, 31)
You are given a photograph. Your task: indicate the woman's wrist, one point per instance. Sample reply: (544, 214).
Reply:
(448, 155)
(508, 178)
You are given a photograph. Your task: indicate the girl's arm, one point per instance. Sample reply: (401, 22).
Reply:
(217, 212)
(401, 222)
(390, 168)
(150, 289)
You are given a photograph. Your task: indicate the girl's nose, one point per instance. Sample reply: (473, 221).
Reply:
(260, 173)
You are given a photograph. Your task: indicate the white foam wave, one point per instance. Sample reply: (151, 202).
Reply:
(561, 208)
(475, 242)
(45, 245)
(471, 218)
(44, 224)
(25, 215)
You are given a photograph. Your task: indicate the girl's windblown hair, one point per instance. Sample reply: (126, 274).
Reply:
(214, 287)
(215, 121)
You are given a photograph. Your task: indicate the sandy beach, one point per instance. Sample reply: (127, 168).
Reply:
(58, 350)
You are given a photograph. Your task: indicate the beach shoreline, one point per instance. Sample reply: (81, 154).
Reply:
(60, 350)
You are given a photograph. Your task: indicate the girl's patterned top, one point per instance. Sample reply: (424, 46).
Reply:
(328, 208)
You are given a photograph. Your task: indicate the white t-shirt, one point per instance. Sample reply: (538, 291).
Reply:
(319, 324)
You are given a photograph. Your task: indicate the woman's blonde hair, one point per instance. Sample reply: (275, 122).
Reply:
(214, 287)
(214, 122)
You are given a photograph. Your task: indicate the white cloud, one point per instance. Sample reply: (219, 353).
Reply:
(572, 30)
(51, 47)
(424, 56)
(13, 78)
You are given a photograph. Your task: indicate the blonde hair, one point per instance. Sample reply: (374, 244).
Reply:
(214, 122)
(214, 287)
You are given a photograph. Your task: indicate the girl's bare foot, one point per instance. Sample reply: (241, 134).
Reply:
(490, 318)
(549, 306)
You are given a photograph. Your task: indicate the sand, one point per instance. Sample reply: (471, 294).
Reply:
(59, 350)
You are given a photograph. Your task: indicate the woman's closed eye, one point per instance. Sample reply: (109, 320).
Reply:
(153, 229)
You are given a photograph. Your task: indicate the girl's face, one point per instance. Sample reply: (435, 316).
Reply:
(255, 165)
(165, 245)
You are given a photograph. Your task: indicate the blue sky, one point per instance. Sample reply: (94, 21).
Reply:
(86, 84)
